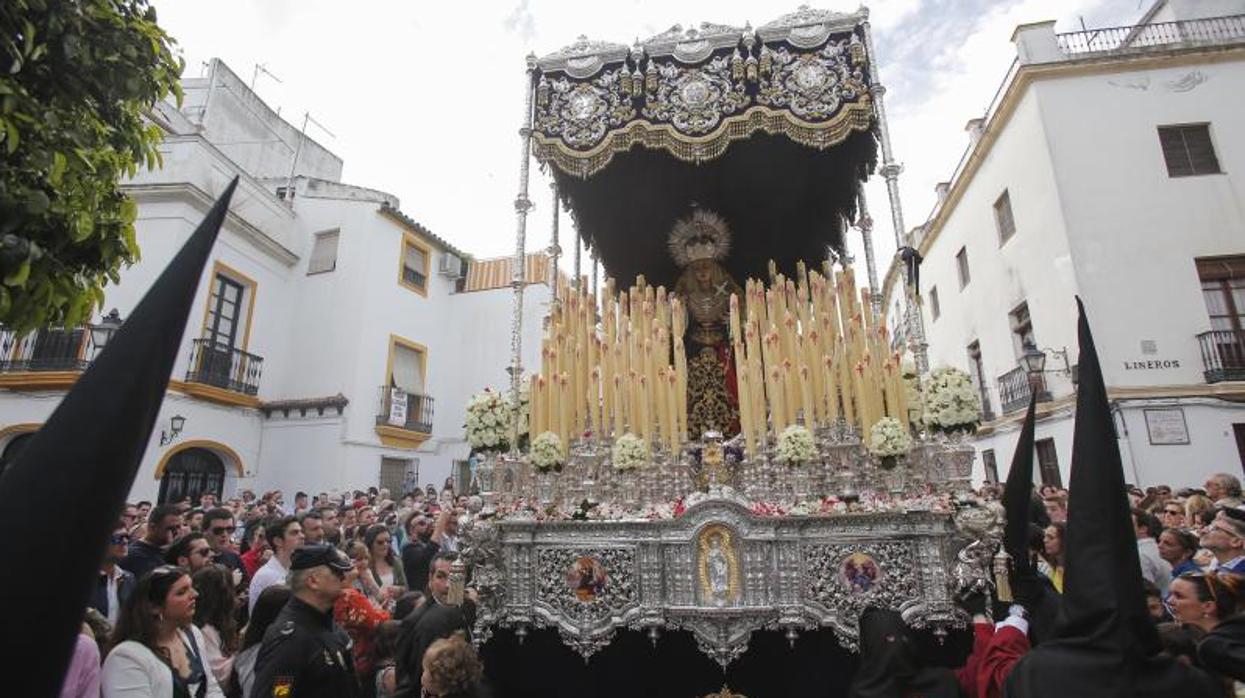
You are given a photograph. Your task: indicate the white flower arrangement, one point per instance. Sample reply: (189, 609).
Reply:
(796, 446)
(547, 453)
(488, 421)
(951, 401)
(630, 452)
(888, 438)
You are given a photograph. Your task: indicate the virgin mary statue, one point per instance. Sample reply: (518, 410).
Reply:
(698, 244)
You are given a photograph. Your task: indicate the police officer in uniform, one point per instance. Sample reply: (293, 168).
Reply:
(304, 654)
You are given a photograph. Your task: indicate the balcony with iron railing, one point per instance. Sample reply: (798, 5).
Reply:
(1223, 355)
(52, 349)
(403, 419)
(1015, 388)
(1160, 35)
(53, 357)
(224, 367)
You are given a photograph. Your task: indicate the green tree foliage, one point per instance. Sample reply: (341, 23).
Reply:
(75, 79)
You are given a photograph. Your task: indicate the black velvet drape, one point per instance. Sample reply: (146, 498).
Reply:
(631, 666)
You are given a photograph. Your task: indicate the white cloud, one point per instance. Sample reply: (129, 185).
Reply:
(426, 99)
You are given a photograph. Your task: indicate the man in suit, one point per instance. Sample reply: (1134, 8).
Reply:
(115, 583)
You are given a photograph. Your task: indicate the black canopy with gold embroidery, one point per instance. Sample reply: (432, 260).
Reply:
(772, 128)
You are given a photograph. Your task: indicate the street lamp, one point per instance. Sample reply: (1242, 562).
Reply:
(1033, 360)
(102, 333)
(176, 424)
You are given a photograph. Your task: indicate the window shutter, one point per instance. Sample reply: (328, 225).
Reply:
(1188, 150)
(415, 265)
(407, 369)
(324, 253)
(1219, 268)
(1003, 217)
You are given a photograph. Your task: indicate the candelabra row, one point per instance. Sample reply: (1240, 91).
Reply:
(843, 468)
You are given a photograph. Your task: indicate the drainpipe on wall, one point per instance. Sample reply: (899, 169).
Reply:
(1123, 435)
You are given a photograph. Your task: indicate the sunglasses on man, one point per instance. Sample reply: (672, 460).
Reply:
(120, 539)
(223, 529)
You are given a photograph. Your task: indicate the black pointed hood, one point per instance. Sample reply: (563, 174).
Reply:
(1103, 600)
(63, 495)
(1104, 643)
(1018, 493)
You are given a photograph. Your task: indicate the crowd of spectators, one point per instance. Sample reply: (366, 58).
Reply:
(189, 593)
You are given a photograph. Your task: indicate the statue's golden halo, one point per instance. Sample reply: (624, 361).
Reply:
(702, 235)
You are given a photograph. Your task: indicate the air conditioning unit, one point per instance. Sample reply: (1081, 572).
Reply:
(450, 265)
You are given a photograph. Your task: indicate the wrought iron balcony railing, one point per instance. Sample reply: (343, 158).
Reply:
(1014, 390)
(224, 367)
(52, 349)
(1223, 355)
(1193, 32)
(404, 410)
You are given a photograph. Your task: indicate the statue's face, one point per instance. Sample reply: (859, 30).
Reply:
(702, 270)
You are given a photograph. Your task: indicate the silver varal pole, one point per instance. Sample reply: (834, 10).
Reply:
(596, 267)
(522, 205)
(578, 264)
(865, 224)
(890, 172)
(555, 250)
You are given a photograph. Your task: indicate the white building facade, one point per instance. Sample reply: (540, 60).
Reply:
(1110, 167)
(335, 340)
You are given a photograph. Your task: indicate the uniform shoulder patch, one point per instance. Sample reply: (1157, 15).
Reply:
(283, 687)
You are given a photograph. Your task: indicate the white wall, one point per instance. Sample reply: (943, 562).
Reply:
(249, 131)
(1098, 216)
(1033, 266)
(1134, 230)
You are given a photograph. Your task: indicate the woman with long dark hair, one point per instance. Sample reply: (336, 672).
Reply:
(267, 606)
(215, 615)
(1213, 602)
(386, 570)
(157, 651)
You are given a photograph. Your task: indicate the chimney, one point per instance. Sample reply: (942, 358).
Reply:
(975, 127)
(1036, 43)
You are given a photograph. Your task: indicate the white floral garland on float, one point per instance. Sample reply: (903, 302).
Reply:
(662, 511)
(796, 445)
(629, 453)
(488, 421)
(547, 453)
(888, 438)
(951, 402)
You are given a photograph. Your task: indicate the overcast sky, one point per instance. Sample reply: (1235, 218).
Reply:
(425, 99)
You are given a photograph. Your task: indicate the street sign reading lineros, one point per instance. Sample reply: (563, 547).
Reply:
(1153, 365)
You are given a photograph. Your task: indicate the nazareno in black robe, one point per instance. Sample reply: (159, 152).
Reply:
(1104, 643)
